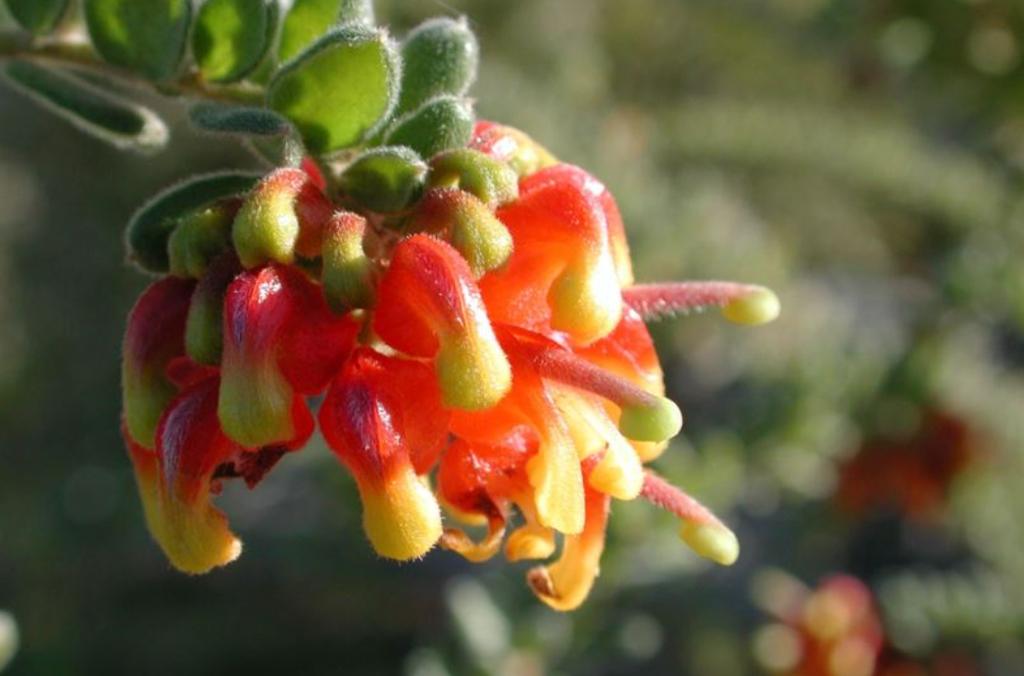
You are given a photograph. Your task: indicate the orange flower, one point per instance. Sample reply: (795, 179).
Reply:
(489, 336)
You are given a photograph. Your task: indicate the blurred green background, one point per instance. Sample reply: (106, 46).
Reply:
(861, 157)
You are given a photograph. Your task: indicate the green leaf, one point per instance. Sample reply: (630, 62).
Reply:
(150, 228)
(37, 16)
(230, 37)
(309, 19)
(229, 119)
(147, 36)
(385, 179)
(440, 124)
(340, 90)
(439, 57)
(95, 111)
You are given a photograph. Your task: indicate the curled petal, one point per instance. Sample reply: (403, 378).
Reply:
(282, 216)
(155, 336)
(468, 224)
(429, 306)
(258, 406)
(530, 542)
(618, 472)
(489, 179)
(456, 540)
(200, 237)
(565, 584)
(510, 145)
(175, 481)
(613, 218)
(554, 470)
(348, 273)
(362, 423)
(561, 249)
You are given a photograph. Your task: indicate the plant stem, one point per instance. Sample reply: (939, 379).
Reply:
(80, 56)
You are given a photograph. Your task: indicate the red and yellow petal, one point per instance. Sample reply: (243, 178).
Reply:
(565, 584)
(155, 336)
(561, 249)
(429, 306)
(362, 424)
(175, 482)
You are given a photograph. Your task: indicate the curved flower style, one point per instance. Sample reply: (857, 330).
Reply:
(490, 335)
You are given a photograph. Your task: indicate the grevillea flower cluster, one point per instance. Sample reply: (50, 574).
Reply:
(833, 630)
(477, 359)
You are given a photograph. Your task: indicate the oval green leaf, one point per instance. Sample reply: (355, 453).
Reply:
(385, 179)
(37, 16)
(340, 90)
(230, 37)
(440, 124)
(307, 20)
(439, 57)
(150, 227)
(147, 36)
(95, 111)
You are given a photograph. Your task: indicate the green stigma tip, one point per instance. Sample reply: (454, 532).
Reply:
(712, 540)
(657, 421)
(760, 306)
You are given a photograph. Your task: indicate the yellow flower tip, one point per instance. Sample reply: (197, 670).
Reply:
(401, 517)
(760, 306)
(196, 543)
(657, 420)
(712, 540)
(530, 542)
(586, 301)
(194, 536)
(255, 406)
(473, 372)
